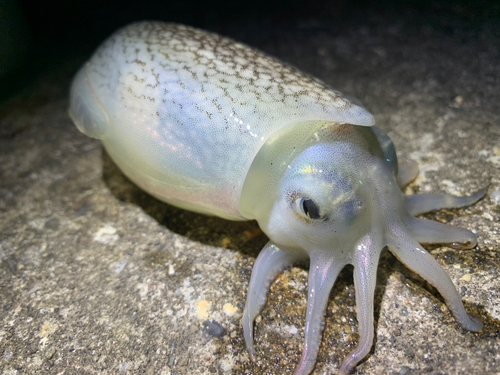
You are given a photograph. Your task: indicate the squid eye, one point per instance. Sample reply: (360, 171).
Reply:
(311, 209)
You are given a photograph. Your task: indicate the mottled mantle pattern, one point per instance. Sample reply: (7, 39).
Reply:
(194, 108)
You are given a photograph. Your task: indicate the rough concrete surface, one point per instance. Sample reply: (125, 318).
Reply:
(96, 276)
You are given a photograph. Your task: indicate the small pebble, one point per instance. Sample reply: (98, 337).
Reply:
(52, 224)
(50, 353)
(229, 309)
(171, 361)
(467, 277)
(213, 329)
(183, 362)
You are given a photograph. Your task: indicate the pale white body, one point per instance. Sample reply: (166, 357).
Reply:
(217, 127)
(186, 111)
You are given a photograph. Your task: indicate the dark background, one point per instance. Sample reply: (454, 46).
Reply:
(61, 25)
(61, 29)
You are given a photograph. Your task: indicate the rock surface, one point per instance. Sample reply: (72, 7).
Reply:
(97, 277)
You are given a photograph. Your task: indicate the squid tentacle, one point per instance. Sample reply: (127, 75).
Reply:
(416, 258)
(365, 276)
(428, 231)
(322, 276)
(271, 260)
(422, 203)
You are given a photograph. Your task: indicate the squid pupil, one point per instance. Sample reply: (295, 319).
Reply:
(311, 209)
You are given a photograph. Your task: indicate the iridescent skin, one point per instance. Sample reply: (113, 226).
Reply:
(216, 127)
(183, 112)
